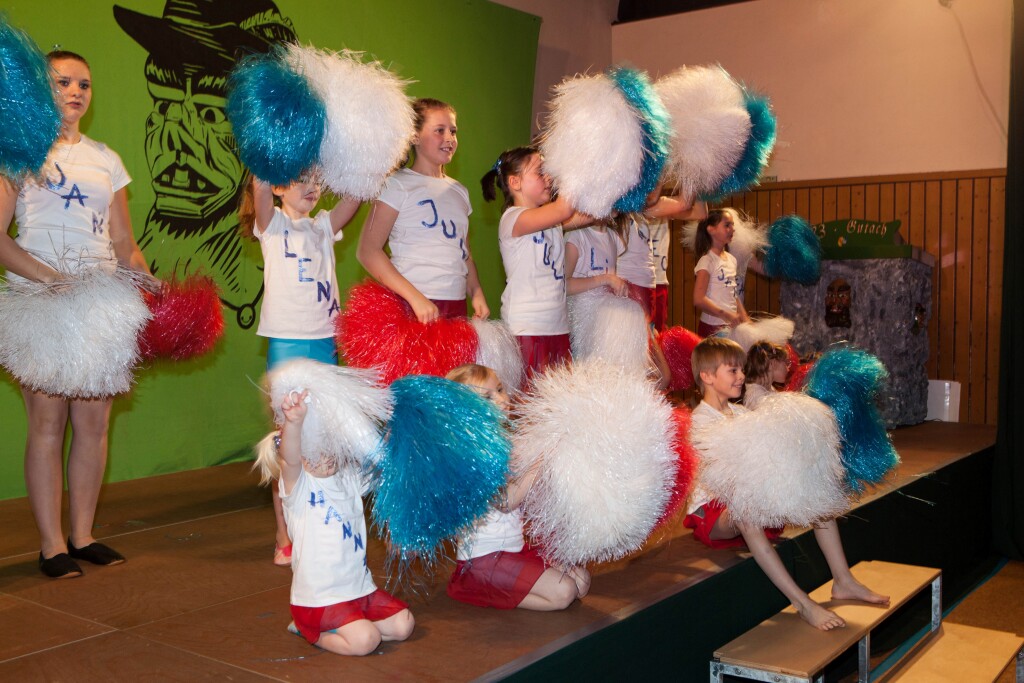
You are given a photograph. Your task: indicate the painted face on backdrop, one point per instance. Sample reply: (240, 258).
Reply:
(838, 298)
(190, 150)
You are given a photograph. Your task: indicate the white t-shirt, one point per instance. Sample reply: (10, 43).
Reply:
(497, 531)
(300, 286)
(64, 218)
(598, 250)
(705, 417)
(428, 240)
(328, 531)
(661, 241)
(721, 285)
(636, 264)
(754, 394)
(533, 303)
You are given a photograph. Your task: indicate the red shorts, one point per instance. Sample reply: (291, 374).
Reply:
(541, 351)
(643, 296)
(377, 606)
(659, 310)
(500, 580)
(706, 330)
(445, 309)
(703, 521)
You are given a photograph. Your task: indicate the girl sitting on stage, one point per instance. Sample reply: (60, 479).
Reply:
(767, 364)
(495, 567)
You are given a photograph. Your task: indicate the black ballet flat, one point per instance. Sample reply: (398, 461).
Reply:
(97, 553)
(60, 566)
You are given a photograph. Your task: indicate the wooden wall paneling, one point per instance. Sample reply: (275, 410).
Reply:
(947, 277)
(816, 197)
(978, 352)
(901, 209)
(962, 297)
(886, 202)
(872, 202)
(856, 201)
(996, 234)
(932, 216)
(803, 204)
(842, 202)
(915, 235)
(830, 204)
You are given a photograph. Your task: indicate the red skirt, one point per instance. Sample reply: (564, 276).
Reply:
(312, 621)
(500, 580)
(702, 525)
(445, 309)
(659, 311)
(643, 296)
(540, 351)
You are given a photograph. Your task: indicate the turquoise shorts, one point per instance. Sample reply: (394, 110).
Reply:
(280, 350)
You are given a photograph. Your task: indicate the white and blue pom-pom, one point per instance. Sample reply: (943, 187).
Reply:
(76, 338)
(369, 118)
(611, 328)
(499, 351)
(593, 144)
(655, 128)
(277, 119)
(776, 465)
(848, 380)
(444, 458)
(602, 441)
(347, 409)
(756, 151)
(777, 330)
(29, 112)
(793, 251)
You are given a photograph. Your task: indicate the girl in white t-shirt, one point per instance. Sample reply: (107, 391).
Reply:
(300, 287)
(715, 290)
(530, 239)
(591, 260)
(335, 604)
(423, 217)
(767, 364)
(495, 567)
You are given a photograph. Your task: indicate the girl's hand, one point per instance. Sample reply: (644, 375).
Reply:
(618, 285)
(480, 309)
(294, 406)
(424, 309)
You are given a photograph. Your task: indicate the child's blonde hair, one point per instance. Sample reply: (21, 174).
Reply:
(266, 458)
(759, 360)
(472, 374)
(709, 355)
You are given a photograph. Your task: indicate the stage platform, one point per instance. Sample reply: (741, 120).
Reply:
(200, 599)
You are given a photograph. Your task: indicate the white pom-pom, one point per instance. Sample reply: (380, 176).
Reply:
(688, 236)
(77, 338)
(775, 465)
(748, 240)
(499, 351)
(346, 410)
(592, 144)
(776, 330)
(601, 440)
(609, 328)
(369, 119)
(710, 126)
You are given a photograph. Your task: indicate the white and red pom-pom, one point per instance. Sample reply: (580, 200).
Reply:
(187, 319)
(686, 469)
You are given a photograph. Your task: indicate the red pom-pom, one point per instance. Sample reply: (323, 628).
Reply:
(794, 360)
(795, 382)
(187, 319)
(687, 457)
(377, 330)
(678, 343)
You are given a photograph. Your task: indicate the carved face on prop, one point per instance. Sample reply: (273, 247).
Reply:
(838, 298)
(197, 177)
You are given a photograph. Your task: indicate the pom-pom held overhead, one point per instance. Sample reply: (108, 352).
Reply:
(377, 330)
(369, 118)
(30, 113)
(654, 126)
(187, 319)
(499, 351)
(592, 144)
(602, 440)
(776, 330)
(748, 241)
(678, 343)
(77, 338)
(775, 465)
(277, 119)
(756, 151)
(346, 410)
(848, 380)
(710, 126)
(444, 458)
(793, 251)
(610, 328)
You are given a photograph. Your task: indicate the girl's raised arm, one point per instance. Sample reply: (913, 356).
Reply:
(263, 203)
(289, 454)
(343, 212)
(542, 217)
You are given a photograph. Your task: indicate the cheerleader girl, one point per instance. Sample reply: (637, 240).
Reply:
(715, 291)
(530, 240)
(591, 256)
(495, 566)
(767, 364)
(423, 217)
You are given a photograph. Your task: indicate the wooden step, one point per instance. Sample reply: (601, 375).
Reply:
(785, 644)
(961, 654)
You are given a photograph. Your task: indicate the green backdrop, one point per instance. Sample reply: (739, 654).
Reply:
(476, 55)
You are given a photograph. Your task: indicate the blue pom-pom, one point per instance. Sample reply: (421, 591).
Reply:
(278, 121)
(28, 110)
(847, 381)
(793, 252)
(445, 457)
(655, 125)
(756, 152)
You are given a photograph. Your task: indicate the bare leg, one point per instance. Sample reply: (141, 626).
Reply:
(844, 585)
(554, 590)
(354, 638)
(281, 538)
(724, 528)
(768, 559)
(87, 462)
(44, 467)
(397, 626)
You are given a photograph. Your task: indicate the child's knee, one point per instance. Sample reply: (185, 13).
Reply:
(357, 638)
(403, 625)
(565, 591)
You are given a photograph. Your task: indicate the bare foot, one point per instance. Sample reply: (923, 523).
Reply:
(819, 617)
(852, 589)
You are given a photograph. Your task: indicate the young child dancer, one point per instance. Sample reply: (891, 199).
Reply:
(715, 292)
(530, 239)
(300, 287)
(717, 370)
(591, 256)
(335, 604)
(495, 567)
(423, 217)
(767, 364)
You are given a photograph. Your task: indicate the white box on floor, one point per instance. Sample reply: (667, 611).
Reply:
(943, 400)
